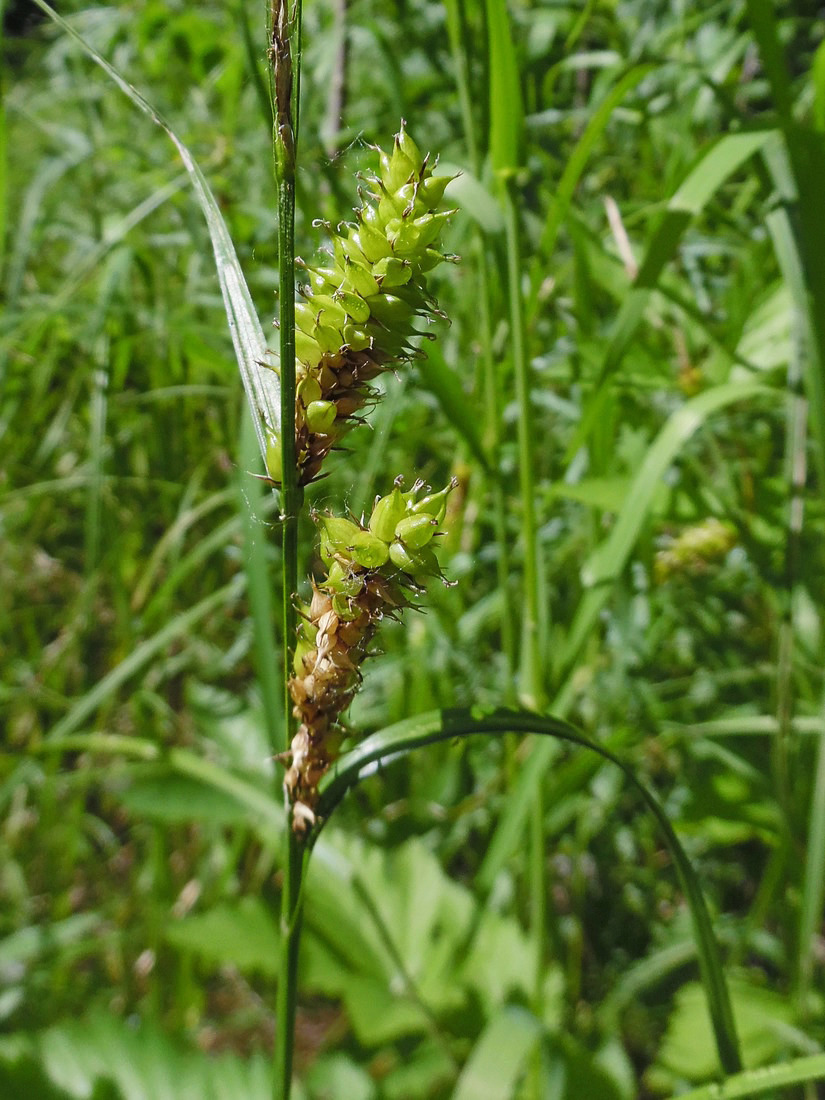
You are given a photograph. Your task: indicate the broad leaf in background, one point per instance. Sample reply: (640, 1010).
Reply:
(242, 934)
(102, 1058)
(402, 945)
(765, 1020)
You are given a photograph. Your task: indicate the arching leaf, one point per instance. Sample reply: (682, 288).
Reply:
(451, 724)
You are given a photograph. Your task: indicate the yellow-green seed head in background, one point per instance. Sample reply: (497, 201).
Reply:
(696, 550)
(359, 310)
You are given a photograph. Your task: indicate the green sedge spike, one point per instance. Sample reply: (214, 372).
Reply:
(373, 568)
(359, 309)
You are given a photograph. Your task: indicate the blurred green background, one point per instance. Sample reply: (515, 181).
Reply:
(672, 340)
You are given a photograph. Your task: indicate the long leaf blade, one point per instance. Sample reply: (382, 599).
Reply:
(452, 724)
(260, 381)
(578, 160)
(492, 1070)
(506, 106)
(610, 557)
(606, 562)
(756, 1082)
(716, 165)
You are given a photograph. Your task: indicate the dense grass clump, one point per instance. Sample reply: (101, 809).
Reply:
(628, 409)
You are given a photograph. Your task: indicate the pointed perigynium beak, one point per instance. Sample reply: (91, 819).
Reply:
(358, 313)
(372, 571)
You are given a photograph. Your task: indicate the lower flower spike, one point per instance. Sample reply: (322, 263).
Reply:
(371, 574)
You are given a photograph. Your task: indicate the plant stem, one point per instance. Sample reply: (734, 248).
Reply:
(291, 922)
(459, 38)
(284, 44)
(531, 686)
(493, 405)
(291, 494)
(530, 678)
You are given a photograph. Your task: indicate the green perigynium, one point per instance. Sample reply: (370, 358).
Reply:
(359, 310)
(373, 568)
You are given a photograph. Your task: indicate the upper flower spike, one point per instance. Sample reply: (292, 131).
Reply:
(358, 312)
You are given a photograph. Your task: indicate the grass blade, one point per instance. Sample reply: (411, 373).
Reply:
(813, 883)
(610, 557)
(606, 562)
(578, 159)
(445, 385)
(447, 725)
(260, 381)
(763, 20)
(506, 107)
(756, 1082)
(498, 1058)
(807, 291)
(713, 169)
(141, 655)
(251, 496)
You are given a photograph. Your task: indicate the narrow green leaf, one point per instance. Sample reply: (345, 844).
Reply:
(578, 159)
(265, 809)
(260, 380)
(251, 495)
(606, 562)
(609, 558)
(140, 656)
(818, 81)
(801, 262)
(470, 194)
(813, 882)
(447, 725)
(762, 17)
(714, 167)
(498, 1058)
(506, 107)
(756, 1082)
(4, 173)
(445, 385)
(168, 546)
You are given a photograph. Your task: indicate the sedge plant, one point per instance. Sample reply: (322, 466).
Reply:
(356, 321)
(357, 317)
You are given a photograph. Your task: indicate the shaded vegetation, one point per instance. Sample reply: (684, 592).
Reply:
(630, 396)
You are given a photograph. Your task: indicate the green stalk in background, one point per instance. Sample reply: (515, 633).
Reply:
(458, 31)
(506, 136)
(531, 680)
(796, 230)
(506, 156)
